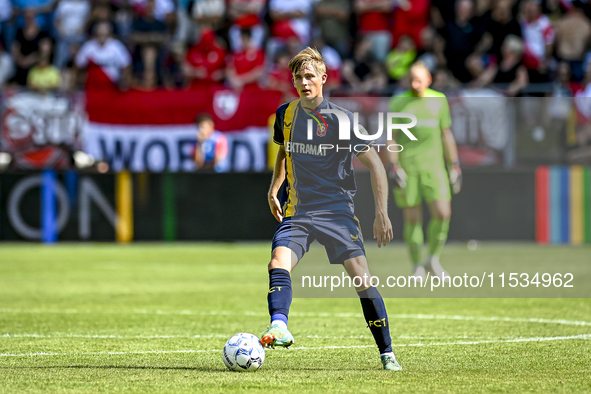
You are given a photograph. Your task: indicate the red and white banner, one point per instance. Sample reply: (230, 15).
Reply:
(40, 131)
(155, 131)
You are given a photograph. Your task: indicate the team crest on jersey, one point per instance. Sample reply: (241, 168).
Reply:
(321, 130)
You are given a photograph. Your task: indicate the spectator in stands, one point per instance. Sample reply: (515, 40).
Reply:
(6, 67)
(442, 12)
(363, 73)
(502, 23)
(573, 36)
(173, 71)
(69, 21)
(563, 85)
(280, 77)
(102, 11)
(290, 19)
(6, 25)
(211, 148)
(44, 77)
(538, 35)
(43, 12)
(508, 70)
(164, 10)
(400, 59)
(461, 36)
(332, 18)
(148, 36)
(431, 52)
(410, 19)
(205, 61)
(443, 81)
(373, 23)
(105, 59)
(27, 46)
(333, 62)
(68, 71)
(209, 13)
(246, 66)
(246, 14)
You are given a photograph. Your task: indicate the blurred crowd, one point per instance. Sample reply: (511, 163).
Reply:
(368, 45)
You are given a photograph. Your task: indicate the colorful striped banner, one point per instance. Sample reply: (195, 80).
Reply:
(124, 198)
(563, 205)
(543, 205)
(169, 213)
(49, 228)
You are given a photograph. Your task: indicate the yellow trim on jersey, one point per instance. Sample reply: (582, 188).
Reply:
(289, 119)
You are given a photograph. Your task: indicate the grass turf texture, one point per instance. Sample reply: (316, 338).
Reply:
(154, 318)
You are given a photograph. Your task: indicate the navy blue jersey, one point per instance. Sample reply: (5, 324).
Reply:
(319, 171)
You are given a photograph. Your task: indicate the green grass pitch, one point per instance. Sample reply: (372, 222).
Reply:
(154, 318)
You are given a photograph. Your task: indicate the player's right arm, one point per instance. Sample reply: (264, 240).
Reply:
(279, 170)
(276, 182)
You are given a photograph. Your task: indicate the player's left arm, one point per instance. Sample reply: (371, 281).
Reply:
(382, 227)
(450, 151)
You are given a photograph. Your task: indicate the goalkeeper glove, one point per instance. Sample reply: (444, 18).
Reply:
(397, 176)
(455, 177)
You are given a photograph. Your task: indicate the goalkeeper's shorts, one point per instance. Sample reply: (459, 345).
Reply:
(430, 185)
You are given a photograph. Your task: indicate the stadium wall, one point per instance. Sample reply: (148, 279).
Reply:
(71, 206)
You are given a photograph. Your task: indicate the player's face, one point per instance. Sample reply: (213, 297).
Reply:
(308, 83)
(420, 80)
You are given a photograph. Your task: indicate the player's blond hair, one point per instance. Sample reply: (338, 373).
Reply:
(420, 65)
(308, 56)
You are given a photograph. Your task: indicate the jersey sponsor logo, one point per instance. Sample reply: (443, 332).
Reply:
(308, 149)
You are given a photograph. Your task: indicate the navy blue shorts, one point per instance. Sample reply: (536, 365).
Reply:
(339, 234)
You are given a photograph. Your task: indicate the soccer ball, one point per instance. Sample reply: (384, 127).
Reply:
(243, 352)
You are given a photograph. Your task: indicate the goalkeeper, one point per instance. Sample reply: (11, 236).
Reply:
(419, 170)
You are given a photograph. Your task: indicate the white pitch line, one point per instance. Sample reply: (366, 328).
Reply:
(112, 336)
(533, 339)
(302, 314)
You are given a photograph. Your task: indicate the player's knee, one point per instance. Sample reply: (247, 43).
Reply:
(412, 216)
(444, 213)
(278, 263)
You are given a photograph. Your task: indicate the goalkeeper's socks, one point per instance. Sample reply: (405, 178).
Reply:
(280, 295)
(437, 235)
(413, 236)
(376, 317)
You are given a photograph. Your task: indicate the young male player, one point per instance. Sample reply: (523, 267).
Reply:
(318, 185)
(419, 171)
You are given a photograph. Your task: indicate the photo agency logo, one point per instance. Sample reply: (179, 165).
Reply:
(392, 120)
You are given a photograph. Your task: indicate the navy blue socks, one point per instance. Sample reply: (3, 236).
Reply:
(376, 317)
(280, 295)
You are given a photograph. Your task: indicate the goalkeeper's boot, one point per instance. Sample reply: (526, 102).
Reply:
(276, 336)
(389, 362)
(434, 267)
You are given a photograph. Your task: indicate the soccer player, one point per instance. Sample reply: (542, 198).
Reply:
(317, 186)
(419, 170)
